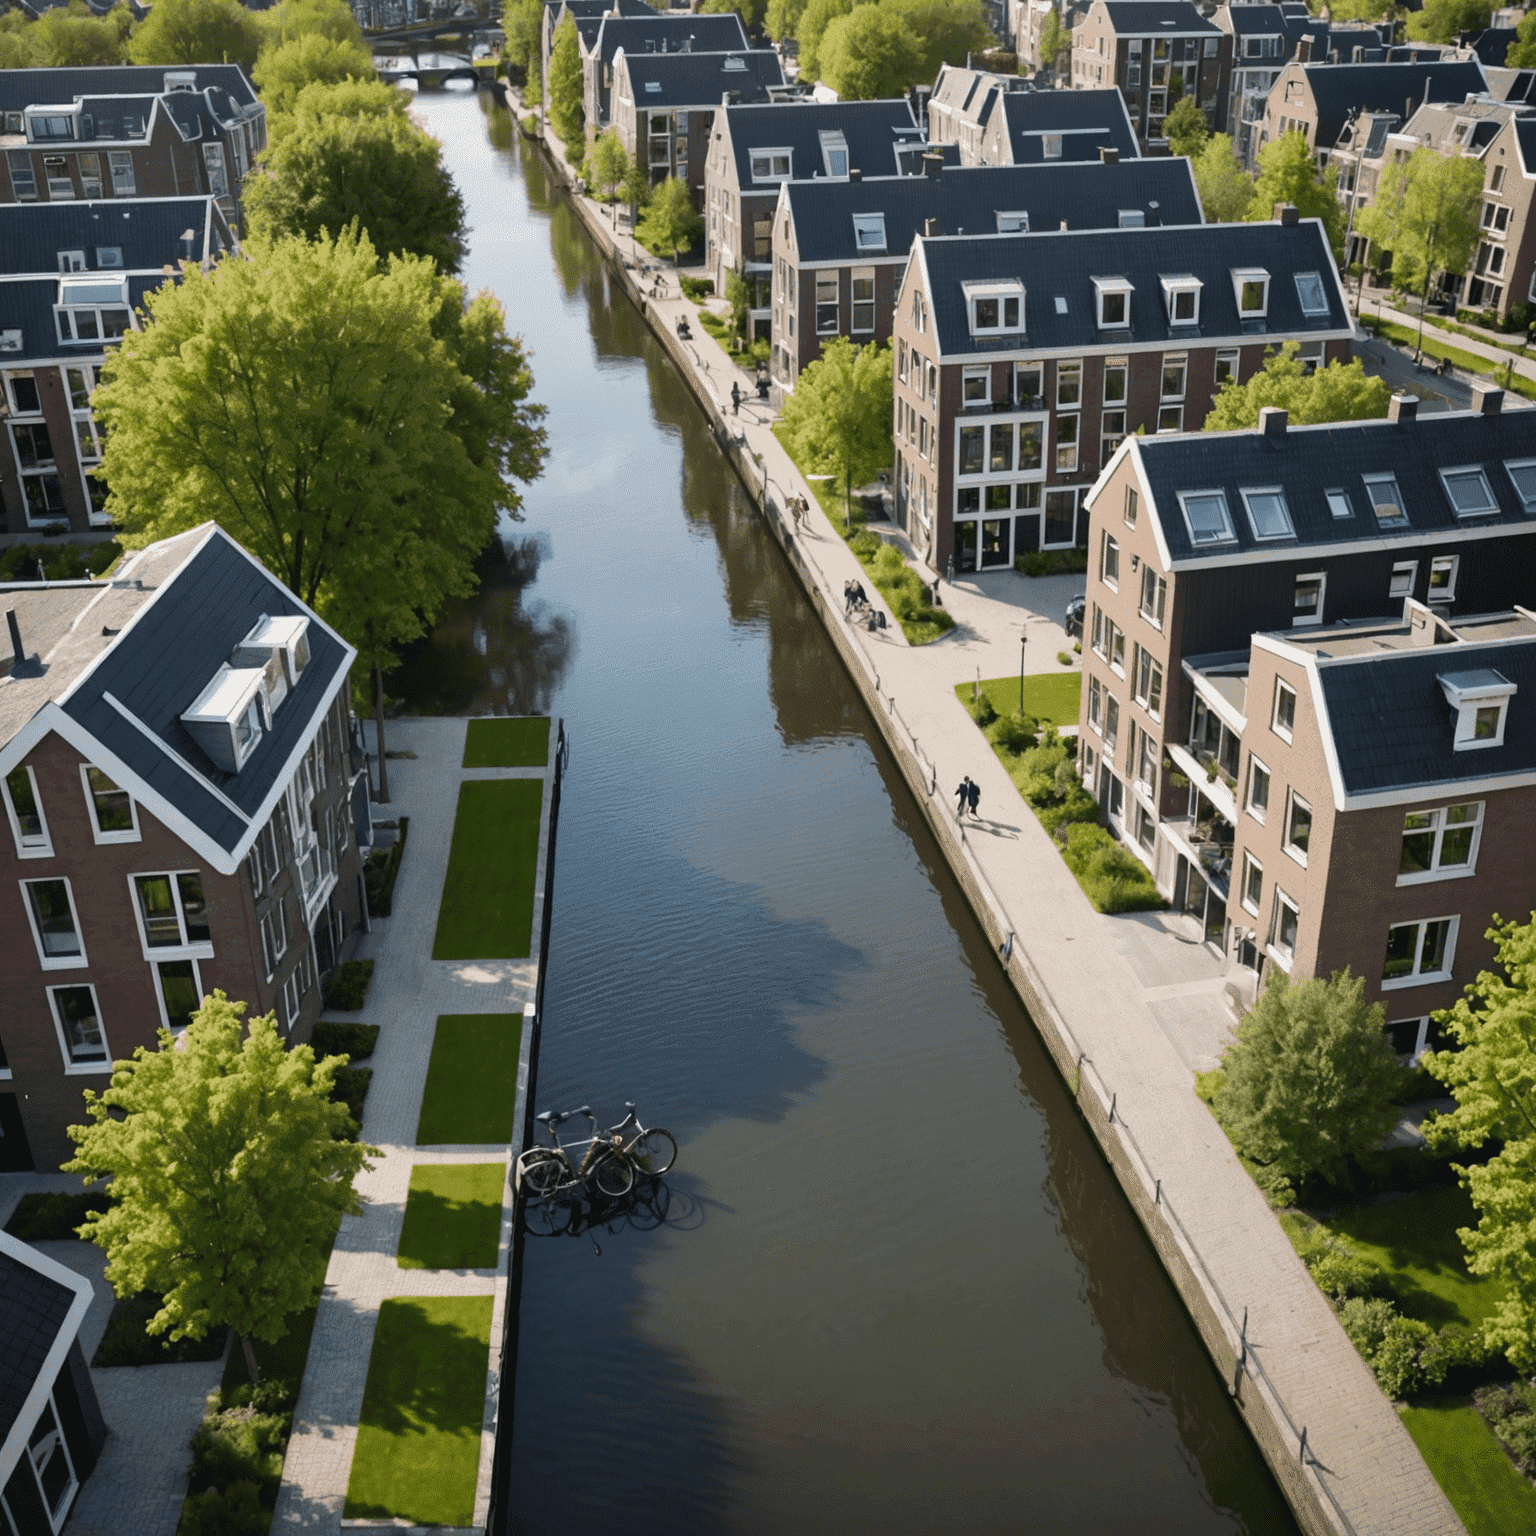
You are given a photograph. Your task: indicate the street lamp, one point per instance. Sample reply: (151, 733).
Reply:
(1038, 618)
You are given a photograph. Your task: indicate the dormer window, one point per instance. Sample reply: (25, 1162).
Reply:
(1207, 517)
(834, 154)
(1013, 223)
(1050, 146)
(282, 642)
(1181, 298)
(770, 165)
(226, 719)
(50, 126)
(71, 261)
(1386, 500)
(1470, 493)
(1311, 293)
(92, 308)
(1250, 286)
(995, 307)
(1114, 295)
(869, 231)
(1481, 701)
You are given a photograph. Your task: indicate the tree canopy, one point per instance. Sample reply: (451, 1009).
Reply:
(750, 11)
(197, 32)
(1440, 20)
(1426, 213)
(68, 36)
(230, 1174)
(1339, 392)
(302, 18)
(871, 52)
(566, 113)
(1288, 174)
(1491, 1071)
(1186, 127)
(1055, 40)
(1311, 1081)
(946, 31)
(286, 68)
(838, 421)
(1522, 52)
(322, 100)
(782, 18)
(669, 222)
(608, 165)
(1226, 193)
(814, 20)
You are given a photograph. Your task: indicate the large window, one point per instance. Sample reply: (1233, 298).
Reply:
(1283, 721)
(179, 990)
(78, 1021)
(274, 935)
(1148, 681)
(55, 927)
(1386, 500)
(1268, 513)
(1109, 561)
(1298, 828)
(113, 818)
(1154, 595)
(1308, 602)
(1111, 722)
(1283, 924)
(24, 810)
(1206, 516)
(1419, 952)
(1258, 789)
(1440, 842)
(1469, 491)
(863, 299)
(1067, 429)
(826, 303)
(1253, 884)
(172, 911)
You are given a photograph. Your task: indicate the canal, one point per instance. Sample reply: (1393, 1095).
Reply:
(897, 1287)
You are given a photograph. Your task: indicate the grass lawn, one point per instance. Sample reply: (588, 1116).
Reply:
(521, 742)
(418, 1438)
(452, 1216)
(283, 1360)
(471, 1080)
(1486, 1491)
(487, 908)
(1468, 362)
(1054, 699)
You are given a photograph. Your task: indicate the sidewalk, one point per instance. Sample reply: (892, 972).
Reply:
(1496, 357)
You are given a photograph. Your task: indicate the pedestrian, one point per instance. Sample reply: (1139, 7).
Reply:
(735, 399)
(847, 598)
(963, 797)
(860, 596)
(973, 797)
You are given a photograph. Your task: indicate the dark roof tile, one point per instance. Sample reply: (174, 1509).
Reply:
(32, 1310)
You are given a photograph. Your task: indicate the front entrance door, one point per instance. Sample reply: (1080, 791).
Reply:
(15, 1154)
(994, 543)
(965, 546)
(1060, 520)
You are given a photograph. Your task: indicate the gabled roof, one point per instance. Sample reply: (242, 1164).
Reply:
(1141, 18)
(21, 88)
(638, 35)
(964, 90)
(700, 79)
(1307, 462)
(1087, 121)
(968, 200)
(1491, 46)
(1057, 272)
(872, 130)
(1453, 128)
(1525, 138)
(1339, 89)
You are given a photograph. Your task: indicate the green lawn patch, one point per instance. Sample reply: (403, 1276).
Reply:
(1484, 1489)
(1053, 698)
(515, 742)
(487, 908)
(1468, 362)
(418, 1439)
(471, 1079)
(452, 1216)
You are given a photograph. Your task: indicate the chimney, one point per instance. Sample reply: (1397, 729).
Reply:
(932, 228)
(1273, 420)
(16, 646)
(1403, 409)
(855, 174)
(1304, 49)
(932, 164)
(1108, 154)
(1286, 215)
(1487, 399)
(1063, 224)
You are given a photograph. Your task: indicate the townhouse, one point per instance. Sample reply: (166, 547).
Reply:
(1304, 658)
(588, 17)
(1503, 271)
(753, 149)
(1034, 127)
(952, 111)
(840, 248)
(1155, 51)
(182, 809)
(72, 277)
(129, 131)
(1023, 362)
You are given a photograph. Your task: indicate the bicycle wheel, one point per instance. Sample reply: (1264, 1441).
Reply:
(654, 1153)
(540, 1172)
(613, 1175)
(548, 1218)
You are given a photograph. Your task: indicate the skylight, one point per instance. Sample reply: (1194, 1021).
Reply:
(653, 85)
(1061, 304)
(869, 231)
(1313, 296)
(1469, 491)
(834, 153)
(1339, 503)
(1205, 513)
(1013, 223)
(1386, 500)
(1522, 472)
(1268, 513)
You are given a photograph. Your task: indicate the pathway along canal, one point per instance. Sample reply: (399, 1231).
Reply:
(898, 1289)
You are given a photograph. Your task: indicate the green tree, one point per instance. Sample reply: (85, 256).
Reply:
(285, 69)
(1288, 174)
(871, 52)
(1441, 20)
(782, 17)
(307, 18)
(946, 31)
(1055, 41)
(377, 168)
(814, 20)
(750, 11)
(669, 222)
(1226, 193)
(1492, 1074)
(230, 1173)
(637, 188)
(73, 36)
(566, 113)
(197, 32)
(1311, 1081)
(1186, 127)
(325, 100)
(1522, 52)
(608, 165)
(739, 296)
(1339, 392)
(524, 23)
(838, 421)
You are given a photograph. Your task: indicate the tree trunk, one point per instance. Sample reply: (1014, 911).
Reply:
(250, 1358)
(378, 724)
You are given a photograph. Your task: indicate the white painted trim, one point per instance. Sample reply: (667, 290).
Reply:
(78, 962)
(45, 850)
(97, 835)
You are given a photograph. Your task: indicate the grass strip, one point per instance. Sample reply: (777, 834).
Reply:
(487, 908)
(471, 1087)
(417, 1455)
(520, 741)
(1484, 1488)
(1468, 362)
(452, 1216)
(1052, 698)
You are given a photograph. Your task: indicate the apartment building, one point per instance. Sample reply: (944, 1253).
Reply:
(1038, 127)
(128, 131)
(1302, 655)
(72, 278)
(840, 248)
(182, 810)
(754, 149)
(954, 106)
(1155, 51)
(588, 16)
(1024, 362)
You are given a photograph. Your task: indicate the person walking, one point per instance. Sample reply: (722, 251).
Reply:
(962, 797)
(735, 399)
(847, 598)
(973, 797)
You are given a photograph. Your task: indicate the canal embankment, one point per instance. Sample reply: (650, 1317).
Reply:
(1333, 1442)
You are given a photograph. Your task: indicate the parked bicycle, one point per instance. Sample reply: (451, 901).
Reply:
(610, 1160)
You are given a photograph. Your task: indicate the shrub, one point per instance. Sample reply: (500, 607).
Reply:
(1454, 1348)
(982, 711)
(341, 1037)
(1064, 657)
(1365, 1320)
(239, 1445)
(1396, 1363)
(1052, 562)
(1014, 732)
(1511, 1414)
(61, 562)
(232, 1511)
(1343, 1274)
(697, 288)
(1112, 878)
(380, 871)
(1278, 1189)
(44, 1218)
(348, 985)
(351, 1088)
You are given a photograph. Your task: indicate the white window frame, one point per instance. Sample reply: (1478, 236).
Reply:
(42, 849)
(1295, 850)
(1281, 958)
(1437, 563)
(1401, 569)
(1284, 732)
(1251, 866)
(1108, 287)
(1229, 537)
(1230, 358)
(197, 986)
(1528, 465)
(1385, 481)
(1335, 498)
(1173, 288)
(1301, 621)
(1150, 576)
(274, 936)
(869, 234)
(1436, 871)
(49, 962)
(132, 835)
(79, 1068)
(201, 950)
(969, 376)
(1260, 813)
(1316, 277)
(1001, 292)
(1013, 223)
(293, 997)
(1109, 560)
(1247, 492)
(857, 275)
(1416, 978)
(770, 177)
(1490, 504)
(1241, 278)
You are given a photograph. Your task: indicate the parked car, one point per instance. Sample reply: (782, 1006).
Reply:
(1073, 621)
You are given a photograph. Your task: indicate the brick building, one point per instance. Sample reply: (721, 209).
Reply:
(182, 809)
(1037, 127)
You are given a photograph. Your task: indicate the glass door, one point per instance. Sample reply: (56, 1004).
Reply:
(994, 543)
(965, 546)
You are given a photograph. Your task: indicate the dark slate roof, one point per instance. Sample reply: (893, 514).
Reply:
(32, 1310)
(1064, 265)
(1087, 120)
(1392, 727)
(637, 34)
(149, 231)
(1338, 89)
(701, 79)
(1525, 137)
(1134, 18)
(1491, 46)
(969, 198)
(53, 87)
(1309, 461)
(872, 130)
(163, 662)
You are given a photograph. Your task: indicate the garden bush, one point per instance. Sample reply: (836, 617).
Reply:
(239, 1445)
(1112, 878)
(1405, 1354)
(1052, 562)
(43, 1218)
(232, 1511)
(1016, 732)
(341, 1037)
(351, 1088)
(380, 870)
(981, 710)
(1510, 1410)
(61, 562)
(348, 985)
(901, 587)
(697, 288)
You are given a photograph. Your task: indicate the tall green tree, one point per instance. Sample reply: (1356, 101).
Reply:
(1522, 52)
(325, 100)
(608, 165)
(1339, 392)
(1226, 192)
(1288, 174)
(306, 18)
(1186, 127)
(1311, 1081)
(669, 222)
(750, 11)
(1491, 1071)
(230, 1174)
(1055, 41)
(1440, 20)
(814, 20)
(524, 24)
(566, 112)
(286, 68)
(782, 17)
(869, 53)
(73, 36)
(946, 31)
(197, 32)
(377, 168)
(838, 421)
(739, 296)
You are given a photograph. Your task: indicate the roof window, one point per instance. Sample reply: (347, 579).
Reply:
(869, 231)
(733, 64)
(109, 255)
(1114, 299)
(1013, 223)
(770, 164)
(1386, 500)
(1181, 297)
(1050, 146)
(1470, 493)
(995, 307)
(653, 85)
(1268, 513)
(1522, 474)
(1250, 287)
(1339, 504)
(834, 151)
(1313, 296)
(1481, 701)
(1207, 517)
(1061, 303)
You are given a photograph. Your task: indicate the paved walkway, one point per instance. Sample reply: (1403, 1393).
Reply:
(1124, 1001)
(408, 992)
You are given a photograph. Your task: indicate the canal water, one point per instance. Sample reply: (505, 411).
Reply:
(897, 1287)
